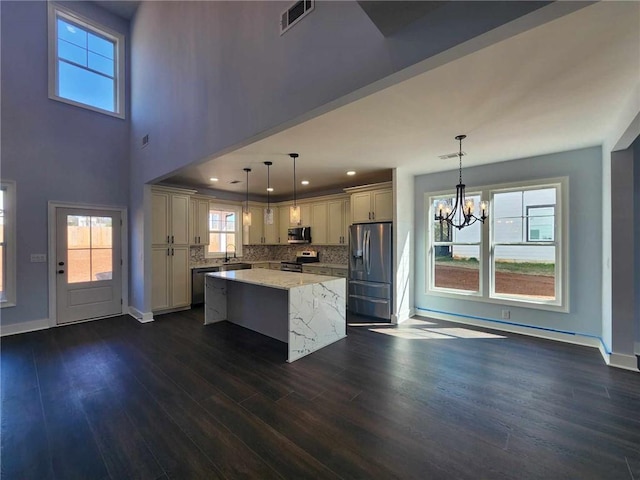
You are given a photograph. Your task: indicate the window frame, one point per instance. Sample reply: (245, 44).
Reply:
(432, 244)
(237, 209)
(9, 268)
(562, 285)
(56, 10)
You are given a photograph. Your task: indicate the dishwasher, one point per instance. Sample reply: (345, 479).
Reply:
(197, 283)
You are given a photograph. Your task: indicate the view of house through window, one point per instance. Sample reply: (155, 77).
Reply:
(225, 235)
(524, 248)
(86, 69)
(524, 254)
(7, 243)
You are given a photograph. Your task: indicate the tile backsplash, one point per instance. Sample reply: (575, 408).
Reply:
(251, 253)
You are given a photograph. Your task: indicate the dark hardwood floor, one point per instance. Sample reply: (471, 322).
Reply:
(174, 399)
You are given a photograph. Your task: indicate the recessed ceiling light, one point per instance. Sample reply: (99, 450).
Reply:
(213, 179)
(351, 172)
(270, 189)
(305, 182)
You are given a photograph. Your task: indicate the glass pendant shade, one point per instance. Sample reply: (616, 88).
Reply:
(294, 215)
(246, 218)
(268, 216)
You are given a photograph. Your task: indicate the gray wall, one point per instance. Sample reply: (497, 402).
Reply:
(636, 236)
(583, 168)
(54, 151)
(210, 76)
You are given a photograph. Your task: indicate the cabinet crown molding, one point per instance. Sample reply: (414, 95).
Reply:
(366, 188)
(160, 188)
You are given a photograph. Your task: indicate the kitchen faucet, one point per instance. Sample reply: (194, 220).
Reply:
(226, 252)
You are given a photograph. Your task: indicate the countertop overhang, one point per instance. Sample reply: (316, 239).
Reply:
(273, 278)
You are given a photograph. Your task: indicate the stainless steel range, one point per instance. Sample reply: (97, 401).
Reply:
(305, 256)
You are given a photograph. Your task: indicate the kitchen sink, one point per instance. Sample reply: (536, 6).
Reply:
(226, 267)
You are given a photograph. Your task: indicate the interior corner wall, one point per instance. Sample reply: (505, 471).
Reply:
(403, 244)
(52, 150)
(583, 169)
(636, 237)
(606, 293)
(622, 252)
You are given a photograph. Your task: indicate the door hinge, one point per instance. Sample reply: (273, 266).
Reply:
(120, 262)
(120, 301)
(120, 222)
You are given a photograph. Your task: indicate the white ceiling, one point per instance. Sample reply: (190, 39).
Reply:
(557, 87)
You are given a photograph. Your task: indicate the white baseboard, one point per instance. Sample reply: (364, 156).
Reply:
(636, 348)
(627, 362)
(145, 317)
(24, 327)
(405, 315)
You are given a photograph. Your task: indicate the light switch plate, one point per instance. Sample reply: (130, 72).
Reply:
(38, 257)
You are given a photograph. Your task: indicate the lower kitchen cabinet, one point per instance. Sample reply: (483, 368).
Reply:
(171, 279)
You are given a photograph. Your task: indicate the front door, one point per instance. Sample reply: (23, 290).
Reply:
(88, 264)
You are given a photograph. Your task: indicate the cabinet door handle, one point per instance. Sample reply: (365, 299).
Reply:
(172, 252)
(167, 252)
(373, 215)
(171, 238)
(167, 238)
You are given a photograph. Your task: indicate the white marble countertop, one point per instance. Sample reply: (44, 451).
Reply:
(253, 262)
(273, 278)
(326, 265)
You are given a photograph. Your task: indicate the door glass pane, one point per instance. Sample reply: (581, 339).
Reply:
(78, 231)
(457, 267)
(2, 262)
(101, 264)
(89, 248)
(101, 232)
(78, 265)
(525, 270)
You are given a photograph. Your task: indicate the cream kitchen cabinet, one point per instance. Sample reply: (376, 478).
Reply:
(171, 284)
(260, 233)
(338, 221)
(170, 217)
(170, 238)
(199, 221)
(370, 205)
(285, 224)
(319, 223)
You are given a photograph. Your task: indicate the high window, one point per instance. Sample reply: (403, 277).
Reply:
(7, 244)
(225, 230)
(519, 258)
(86, 62)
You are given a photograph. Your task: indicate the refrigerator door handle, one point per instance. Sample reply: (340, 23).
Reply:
(367, 250)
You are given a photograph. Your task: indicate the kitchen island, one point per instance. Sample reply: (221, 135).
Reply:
(304, 310)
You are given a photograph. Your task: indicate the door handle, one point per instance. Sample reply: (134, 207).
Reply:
(60, 271)
(61, 263)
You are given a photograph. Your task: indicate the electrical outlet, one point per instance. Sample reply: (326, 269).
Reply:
(38, 257)
(506, 314)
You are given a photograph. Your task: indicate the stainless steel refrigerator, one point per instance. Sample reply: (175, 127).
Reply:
(370, 270)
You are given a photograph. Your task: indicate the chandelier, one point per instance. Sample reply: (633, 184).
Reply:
(246, 214)
(461, 214)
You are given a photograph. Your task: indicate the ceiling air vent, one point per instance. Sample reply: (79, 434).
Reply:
(294, 14)
(450, 155)
(233, 182)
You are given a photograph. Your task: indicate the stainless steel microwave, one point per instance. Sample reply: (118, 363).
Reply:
(300, 235)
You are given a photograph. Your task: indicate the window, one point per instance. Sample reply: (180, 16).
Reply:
(519, 258)
(225, 230)
(456, 253)
(7, 244)
(86, 63)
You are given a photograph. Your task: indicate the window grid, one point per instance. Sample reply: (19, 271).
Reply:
(547, 246)
(225, 234)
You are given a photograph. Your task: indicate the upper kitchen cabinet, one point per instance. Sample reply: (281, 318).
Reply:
(199, 221)
(272, 232)
(371, 203)
(319, 223)
(338, 221)
(170, 216)
(260, 233)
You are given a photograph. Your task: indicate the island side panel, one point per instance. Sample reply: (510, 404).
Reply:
(259, 308)
(215, 300)
(317, 316)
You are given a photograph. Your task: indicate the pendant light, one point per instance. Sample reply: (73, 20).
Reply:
(461, 215)
(268, 212)
(294, 210)
(246, 214)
